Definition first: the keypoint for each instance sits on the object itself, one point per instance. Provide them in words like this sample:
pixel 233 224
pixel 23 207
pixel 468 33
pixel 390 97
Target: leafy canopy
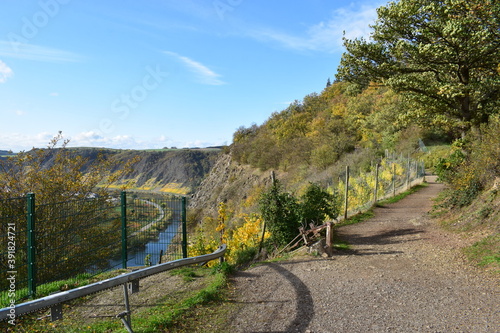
pixel 442 55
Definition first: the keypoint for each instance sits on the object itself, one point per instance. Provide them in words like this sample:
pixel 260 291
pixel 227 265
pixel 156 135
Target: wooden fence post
pixel 408 170
pixel 346 201
pixel 375 192
pixel 329 238
pixel 394 179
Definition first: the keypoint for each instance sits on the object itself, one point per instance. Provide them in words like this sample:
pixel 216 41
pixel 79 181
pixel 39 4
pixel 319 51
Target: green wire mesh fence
pixel 43 243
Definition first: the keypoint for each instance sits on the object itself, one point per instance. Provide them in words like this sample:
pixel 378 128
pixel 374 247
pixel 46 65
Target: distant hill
pixel 6 152
pixel 177 171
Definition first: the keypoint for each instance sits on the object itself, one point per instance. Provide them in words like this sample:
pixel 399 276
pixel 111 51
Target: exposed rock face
pixel 184 166
pixel 227 181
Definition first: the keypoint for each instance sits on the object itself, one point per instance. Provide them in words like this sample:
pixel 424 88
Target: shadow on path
pixel 385 237
pixel 304 310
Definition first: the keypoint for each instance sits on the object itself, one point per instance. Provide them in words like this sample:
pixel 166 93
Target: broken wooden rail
pixel 310 235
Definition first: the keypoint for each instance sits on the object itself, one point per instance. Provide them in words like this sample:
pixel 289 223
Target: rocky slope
pixel 227 181
pixel 156 170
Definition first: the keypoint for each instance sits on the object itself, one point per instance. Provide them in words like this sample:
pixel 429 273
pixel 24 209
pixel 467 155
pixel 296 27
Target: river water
pixel 152 248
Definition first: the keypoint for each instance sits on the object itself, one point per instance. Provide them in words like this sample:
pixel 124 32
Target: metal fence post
pixel 31 217
pixel 184 228
pixel 346 191
pixel 123 203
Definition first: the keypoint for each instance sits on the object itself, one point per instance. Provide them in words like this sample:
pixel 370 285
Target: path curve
pixel 403 274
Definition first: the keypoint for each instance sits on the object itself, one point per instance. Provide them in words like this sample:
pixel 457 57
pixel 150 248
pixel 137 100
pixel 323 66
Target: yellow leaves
pixel 246 235
pixel 339 110
pixel 240 238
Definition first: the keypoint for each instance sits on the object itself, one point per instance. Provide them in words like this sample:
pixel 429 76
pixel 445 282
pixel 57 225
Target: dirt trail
pixel 403 274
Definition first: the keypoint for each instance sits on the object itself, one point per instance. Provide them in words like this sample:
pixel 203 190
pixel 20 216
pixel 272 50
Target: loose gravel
pixel 402 274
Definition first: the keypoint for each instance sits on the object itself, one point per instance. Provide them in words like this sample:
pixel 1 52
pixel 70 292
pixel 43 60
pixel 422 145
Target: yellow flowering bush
pixel 242 242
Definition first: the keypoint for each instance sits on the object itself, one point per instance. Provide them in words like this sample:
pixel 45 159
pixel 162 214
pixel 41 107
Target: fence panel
pixel 155 228
pixel 394 174
pixel 42 243
pixel 75 237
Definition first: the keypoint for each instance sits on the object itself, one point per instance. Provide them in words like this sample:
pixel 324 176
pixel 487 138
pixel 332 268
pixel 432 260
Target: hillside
pixel 177 171
pixel 173 171
pixel 313 140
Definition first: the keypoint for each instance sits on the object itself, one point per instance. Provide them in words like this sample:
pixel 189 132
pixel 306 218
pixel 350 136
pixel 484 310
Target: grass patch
pixel 486 252
pixel 171 317
pixel 401 196
pixel 188 274
pixel 358 218
pixel 340 244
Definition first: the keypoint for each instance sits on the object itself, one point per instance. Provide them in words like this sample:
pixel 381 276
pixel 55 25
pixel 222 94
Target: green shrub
pixel 281 212
pixel 317 204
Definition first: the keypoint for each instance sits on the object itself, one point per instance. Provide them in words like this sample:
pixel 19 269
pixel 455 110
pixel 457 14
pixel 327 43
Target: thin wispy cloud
pixel 326 36
pixel 205 75
pixel 5 72
pixel 36 52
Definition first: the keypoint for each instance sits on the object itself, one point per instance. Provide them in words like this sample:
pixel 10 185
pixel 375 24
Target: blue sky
pixel 162 73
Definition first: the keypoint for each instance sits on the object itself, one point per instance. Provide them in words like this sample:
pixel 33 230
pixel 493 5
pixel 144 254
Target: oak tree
pixel 441 55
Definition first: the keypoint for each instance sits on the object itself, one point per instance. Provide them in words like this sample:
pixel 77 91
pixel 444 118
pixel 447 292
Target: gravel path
pixel 403 274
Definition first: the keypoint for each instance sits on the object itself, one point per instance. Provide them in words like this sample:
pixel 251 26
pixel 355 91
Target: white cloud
pixel 5 72
pixel 36 52
pixel 326 36
pixel 54 94
pixel 95 139
pixel 19 142
pixel 23 142
pixel 204 74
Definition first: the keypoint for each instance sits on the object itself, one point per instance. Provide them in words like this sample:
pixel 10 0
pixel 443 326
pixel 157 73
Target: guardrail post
pixel 123 201
pixel 184 227
pixel 31 245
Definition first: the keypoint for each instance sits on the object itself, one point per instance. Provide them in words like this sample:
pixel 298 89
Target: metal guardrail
pixel 128 280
